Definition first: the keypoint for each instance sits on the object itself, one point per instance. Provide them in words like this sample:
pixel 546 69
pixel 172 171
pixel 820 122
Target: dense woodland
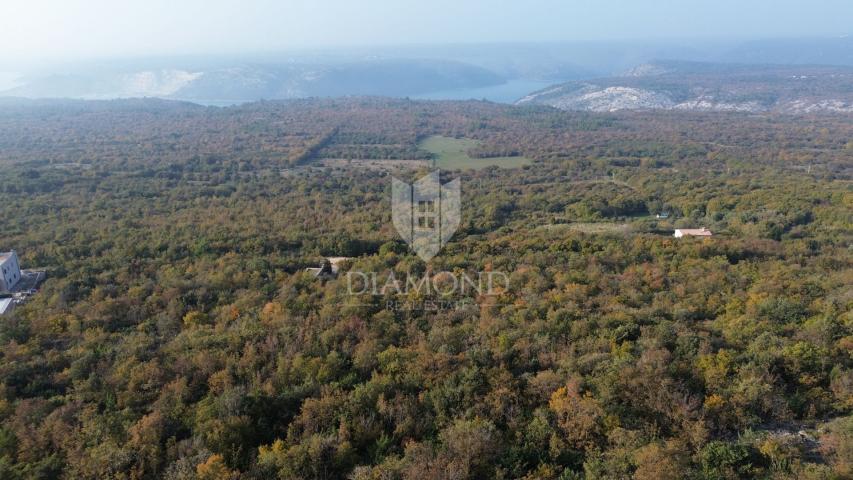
pixel 178 336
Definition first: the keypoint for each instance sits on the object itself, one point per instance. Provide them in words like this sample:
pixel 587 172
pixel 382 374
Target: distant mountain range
pixel 250 82
pixel 703 77
pixel 677 85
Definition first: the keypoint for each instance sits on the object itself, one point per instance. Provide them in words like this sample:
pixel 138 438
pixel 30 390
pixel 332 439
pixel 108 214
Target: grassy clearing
pixel 373 164
pixel 590 227
pixel 451 154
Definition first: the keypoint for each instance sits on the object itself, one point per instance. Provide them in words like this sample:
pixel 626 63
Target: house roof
pixel 700 232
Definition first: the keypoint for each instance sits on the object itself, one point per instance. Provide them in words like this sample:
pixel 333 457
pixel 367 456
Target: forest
pixel 178 336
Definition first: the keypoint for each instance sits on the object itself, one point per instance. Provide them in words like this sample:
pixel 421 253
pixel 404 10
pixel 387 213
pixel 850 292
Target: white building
pixel 692 232
pixel 10 271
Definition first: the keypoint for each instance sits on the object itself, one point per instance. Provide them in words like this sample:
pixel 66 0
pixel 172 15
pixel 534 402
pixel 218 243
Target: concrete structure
pixel 6 305
pixel 692 232
pixel 330 267
pixel 336 263
pixel 10 271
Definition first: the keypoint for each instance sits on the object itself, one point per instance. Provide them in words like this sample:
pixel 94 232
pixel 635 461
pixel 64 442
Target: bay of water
pixel 507 92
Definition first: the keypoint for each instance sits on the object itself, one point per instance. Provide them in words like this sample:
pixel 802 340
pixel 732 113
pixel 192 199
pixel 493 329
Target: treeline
pixel 128 137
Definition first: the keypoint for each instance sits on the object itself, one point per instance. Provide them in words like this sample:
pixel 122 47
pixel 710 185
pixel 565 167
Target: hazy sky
pixel 73 29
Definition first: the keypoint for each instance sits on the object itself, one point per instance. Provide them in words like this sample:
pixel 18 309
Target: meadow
pixel 452 154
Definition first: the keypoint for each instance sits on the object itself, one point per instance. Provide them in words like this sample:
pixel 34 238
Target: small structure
pixel 325 269
pixel 662 216
pixel 16 285
pixel 6 305
pixel 329 268
pixel 692 232
pixel 10 271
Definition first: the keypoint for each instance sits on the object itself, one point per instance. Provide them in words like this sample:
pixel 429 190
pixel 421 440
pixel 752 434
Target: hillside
pixel 696 86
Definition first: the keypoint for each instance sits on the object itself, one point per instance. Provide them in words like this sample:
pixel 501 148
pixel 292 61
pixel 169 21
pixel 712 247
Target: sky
pixel 42 30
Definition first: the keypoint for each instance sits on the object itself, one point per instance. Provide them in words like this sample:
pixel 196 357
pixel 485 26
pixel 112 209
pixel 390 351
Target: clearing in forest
pixel 452 153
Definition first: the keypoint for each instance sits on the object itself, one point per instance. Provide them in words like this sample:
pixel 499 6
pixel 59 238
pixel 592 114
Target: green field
pixel 451 154
pixel 590 227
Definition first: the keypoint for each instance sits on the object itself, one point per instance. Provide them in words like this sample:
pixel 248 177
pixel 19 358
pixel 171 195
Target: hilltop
pixel 698 86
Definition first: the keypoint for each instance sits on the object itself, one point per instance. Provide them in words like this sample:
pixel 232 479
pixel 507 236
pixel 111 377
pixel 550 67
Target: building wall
pixel 6 305
pixel 10 272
